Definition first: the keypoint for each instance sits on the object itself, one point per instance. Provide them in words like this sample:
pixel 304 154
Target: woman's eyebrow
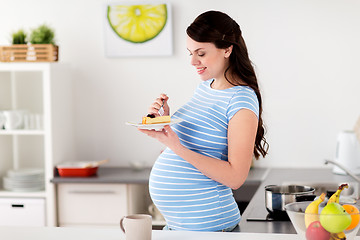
pixel 195 49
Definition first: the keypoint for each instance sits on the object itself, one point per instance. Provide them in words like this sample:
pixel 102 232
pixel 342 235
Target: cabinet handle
pixel 17 205
pixel 92 192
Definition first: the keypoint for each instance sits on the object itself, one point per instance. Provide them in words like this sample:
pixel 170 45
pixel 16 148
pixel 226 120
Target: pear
pixel 334 218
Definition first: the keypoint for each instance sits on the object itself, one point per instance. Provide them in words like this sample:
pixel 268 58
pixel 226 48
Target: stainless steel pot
pixel 276 197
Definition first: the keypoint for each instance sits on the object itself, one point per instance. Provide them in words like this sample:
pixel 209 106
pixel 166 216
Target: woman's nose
pixel 194 61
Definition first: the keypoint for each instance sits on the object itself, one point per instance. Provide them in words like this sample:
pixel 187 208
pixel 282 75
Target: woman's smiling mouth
pixel 200 70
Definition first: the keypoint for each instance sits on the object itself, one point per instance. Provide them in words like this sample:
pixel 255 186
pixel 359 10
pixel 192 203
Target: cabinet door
pixel 91 204
pixel 22 212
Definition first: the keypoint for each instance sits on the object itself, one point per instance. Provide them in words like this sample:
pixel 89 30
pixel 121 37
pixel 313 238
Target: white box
pixel 22 212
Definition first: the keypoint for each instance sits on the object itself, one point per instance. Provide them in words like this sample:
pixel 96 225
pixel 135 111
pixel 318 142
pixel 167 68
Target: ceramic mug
pixel 137 226
pixel 14 119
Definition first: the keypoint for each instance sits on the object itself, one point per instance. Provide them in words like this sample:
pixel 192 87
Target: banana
pixel 312 210
pixel 336 196
pixel 335 199
pixel 338 236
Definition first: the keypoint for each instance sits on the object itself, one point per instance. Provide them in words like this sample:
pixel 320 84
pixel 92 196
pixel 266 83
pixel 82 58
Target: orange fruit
pixel 354 213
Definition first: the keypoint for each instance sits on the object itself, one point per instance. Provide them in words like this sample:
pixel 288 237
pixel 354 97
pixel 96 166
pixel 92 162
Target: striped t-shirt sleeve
pixel 243 99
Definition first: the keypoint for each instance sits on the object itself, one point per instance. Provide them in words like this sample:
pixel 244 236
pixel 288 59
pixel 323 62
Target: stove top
pixel 263 215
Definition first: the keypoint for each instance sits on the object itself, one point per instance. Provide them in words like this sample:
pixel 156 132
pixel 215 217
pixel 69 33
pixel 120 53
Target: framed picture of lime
pixel 138 30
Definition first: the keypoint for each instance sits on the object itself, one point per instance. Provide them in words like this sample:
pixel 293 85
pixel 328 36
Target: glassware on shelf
pixel 33 121
pixel 20 120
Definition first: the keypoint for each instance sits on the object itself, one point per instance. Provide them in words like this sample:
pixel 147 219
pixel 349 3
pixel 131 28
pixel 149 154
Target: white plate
pixel 156 126
pixel 33 189
pixel 25 172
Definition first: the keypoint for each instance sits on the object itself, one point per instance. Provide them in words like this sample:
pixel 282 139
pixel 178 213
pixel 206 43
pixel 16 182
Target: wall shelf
pixel 43 89
pixel 22 132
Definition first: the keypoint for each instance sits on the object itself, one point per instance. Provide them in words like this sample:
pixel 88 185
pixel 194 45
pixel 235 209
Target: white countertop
pixel 57 233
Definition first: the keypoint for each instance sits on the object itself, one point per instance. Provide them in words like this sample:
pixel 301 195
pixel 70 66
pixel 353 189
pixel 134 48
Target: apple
pixel 316 232
pixel 334 218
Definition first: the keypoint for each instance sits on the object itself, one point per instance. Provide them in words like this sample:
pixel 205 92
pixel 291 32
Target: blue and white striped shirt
pixel 188 199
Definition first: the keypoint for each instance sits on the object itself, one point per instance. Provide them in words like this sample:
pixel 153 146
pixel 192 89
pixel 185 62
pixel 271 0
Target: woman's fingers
pixel 165 105
pixel 156 134
pixel 164 96
pixel 159 102
pixel 152 133
pixel 154 109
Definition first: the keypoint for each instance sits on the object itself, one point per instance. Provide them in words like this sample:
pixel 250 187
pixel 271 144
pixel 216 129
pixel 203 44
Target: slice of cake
pixel 161 119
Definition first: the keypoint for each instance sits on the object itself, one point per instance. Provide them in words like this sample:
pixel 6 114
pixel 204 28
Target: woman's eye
pixel 199 54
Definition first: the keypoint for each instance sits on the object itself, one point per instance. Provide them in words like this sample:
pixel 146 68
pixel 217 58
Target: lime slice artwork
pixel 137 23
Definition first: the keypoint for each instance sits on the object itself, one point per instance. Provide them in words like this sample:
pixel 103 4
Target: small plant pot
pixel 29 53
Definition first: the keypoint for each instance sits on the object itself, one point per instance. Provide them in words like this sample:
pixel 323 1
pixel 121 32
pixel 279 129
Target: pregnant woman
pixel 210 152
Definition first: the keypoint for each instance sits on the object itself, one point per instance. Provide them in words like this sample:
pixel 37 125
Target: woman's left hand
pixel 166 136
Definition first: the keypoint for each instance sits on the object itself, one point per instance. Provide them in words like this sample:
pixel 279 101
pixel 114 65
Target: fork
pixel 161 110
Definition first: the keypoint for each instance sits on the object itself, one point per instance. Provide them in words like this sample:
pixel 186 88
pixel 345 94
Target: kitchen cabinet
pixel 22 212
pixel 43 89
pixel 112 183
pixel 100 205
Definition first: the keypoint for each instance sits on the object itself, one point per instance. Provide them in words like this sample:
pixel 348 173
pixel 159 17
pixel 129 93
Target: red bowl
pixel 77 172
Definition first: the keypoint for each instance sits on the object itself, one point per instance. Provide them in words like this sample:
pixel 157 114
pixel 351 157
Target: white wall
pixel 306 55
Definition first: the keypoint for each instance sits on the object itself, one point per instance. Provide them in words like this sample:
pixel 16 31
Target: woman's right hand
pixel 156 105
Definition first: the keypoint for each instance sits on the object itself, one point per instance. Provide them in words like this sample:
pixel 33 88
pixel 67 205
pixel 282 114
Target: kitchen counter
pixel 252 220
pixel 141 176
pixel 134 196
pixel 45 233
pixel 110 175
pixel 256 208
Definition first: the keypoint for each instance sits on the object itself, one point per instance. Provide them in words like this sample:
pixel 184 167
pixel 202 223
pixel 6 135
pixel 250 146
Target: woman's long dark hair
pixel 220 29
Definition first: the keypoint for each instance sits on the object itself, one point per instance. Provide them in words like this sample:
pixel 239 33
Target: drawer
pixel 91 204
pixel 22 212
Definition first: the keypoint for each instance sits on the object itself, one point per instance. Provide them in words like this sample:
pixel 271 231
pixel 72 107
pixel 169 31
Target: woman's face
pixel 209 61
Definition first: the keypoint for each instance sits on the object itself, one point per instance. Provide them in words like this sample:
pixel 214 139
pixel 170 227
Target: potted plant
pixel 42 35
pixel 19 37
pixel 39 48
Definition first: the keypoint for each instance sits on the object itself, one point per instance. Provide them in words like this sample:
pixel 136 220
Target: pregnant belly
pixel 186 197
pixel 172 179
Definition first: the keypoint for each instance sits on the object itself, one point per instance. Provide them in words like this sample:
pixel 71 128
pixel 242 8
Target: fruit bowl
pixel 315 229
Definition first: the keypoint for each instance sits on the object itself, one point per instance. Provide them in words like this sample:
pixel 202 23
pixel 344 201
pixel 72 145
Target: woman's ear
pixel 228 51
